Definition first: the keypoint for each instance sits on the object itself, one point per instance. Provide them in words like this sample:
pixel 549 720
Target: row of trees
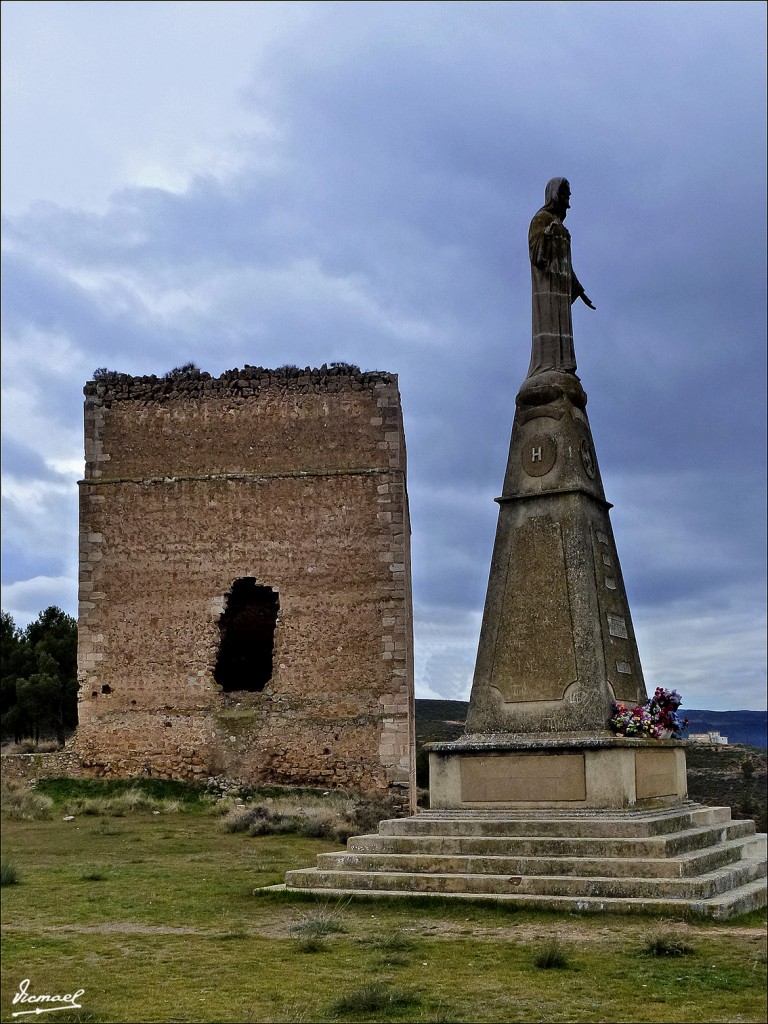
pixel 38 676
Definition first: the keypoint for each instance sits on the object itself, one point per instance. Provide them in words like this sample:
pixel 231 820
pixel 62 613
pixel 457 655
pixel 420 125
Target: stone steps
pixel 702 887
pixel 557 824
pixel 669 860
pixel 665 845
pixel 687 864
pixel 738 901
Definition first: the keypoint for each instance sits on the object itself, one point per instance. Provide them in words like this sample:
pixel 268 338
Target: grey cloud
pixel 388 228
pixel 19 460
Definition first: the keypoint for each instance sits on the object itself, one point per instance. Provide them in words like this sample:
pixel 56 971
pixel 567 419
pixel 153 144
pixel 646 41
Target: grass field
pixel 154 915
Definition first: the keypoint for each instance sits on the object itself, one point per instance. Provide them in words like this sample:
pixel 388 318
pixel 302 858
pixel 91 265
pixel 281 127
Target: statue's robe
pixel 554 288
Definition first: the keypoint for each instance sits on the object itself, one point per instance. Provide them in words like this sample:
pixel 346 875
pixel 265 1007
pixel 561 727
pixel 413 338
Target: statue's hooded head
pixel 557 196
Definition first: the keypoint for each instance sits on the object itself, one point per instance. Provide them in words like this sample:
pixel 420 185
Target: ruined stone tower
pixel 245 596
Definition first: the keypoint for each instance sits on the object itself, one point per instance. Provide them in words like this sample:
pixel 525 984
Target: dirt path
pixel 567 932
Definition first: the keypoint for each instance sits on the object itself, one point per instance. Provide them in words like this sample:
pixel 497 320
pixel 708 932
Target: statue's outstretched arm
pixel 577 292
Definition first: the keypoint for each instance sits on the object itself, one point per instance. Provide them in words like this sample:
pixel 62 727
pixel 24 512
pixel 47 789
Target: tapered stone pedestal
pixel 557 646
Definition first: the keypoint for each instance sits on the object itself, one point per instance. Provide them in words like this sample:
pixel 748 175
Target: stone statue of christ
pixel 554 285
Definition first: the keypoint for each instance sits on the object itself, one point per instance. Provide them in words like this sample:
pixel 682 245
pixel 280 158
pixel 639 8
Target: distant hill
pixel 750 727
pixel 444 720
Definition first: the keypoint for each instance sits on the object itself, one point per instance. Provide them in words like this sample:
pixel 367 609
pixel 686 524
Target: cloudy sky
pixel 296 182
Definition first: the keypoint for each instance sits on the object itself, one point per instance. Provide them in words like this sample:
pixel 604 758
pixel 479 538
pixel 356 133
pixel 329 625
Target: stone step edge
pixel 693 816
pixel 757 869
pixel 751 896
pixel 661 840
pixel 573 828
pixel 721 811
pixel 668 846
pixel 726 901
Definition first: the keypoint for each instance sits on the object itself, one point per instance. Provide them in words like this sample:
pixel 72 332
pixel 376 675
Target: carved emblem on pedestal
pixel 586 458
pixel 538 454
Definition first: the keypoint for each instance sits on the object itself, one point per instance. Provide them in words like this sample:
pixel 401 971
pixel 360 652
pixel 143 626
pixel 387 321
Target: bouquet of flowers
pixel 657 718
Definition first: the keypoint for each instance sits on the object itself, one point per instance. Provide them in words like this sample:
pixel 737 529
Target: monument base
pixel 674 861
pixel 564 771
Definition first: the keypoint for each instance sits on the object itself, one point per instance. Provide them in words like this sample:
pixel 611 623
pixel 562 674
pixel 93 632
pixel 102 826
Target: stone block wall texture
pixel 296 479
pixel 26 767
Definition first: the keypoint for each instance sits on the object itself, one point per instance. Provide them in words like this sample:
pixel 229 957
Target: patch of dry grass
pixel 333 815
pixel 132 801
pixel 20 802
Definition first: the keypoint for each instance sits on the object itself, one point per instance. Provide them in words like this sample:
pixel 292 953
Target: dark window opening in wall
pixel 247 629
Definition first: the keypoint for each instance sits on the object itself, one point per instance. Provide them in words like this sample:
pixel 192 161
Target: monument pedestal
pixel 666 860
pixel 539 803
pixel 564 771
pixel 557 646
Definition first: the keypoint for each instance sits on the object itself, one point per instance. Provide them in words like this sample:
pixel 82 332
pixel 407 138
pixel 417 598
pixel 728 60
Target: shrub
pixel 666 944
pixel 367 812
pixel 131 802
pixel 135 800
pixel 191 370
pixel 20 802
pixel 224 805
pixel 9 874
pixel 323 920
pixel 397 942
pixel 241 819
pixel 341 367
pixel 551 956
pixel 333 815
pixel 374 998
pixel 317 828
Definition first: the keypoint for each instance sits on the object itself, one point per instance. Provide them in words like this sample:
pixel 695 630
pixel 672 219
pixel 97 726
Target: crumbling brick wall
pixel 295 481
